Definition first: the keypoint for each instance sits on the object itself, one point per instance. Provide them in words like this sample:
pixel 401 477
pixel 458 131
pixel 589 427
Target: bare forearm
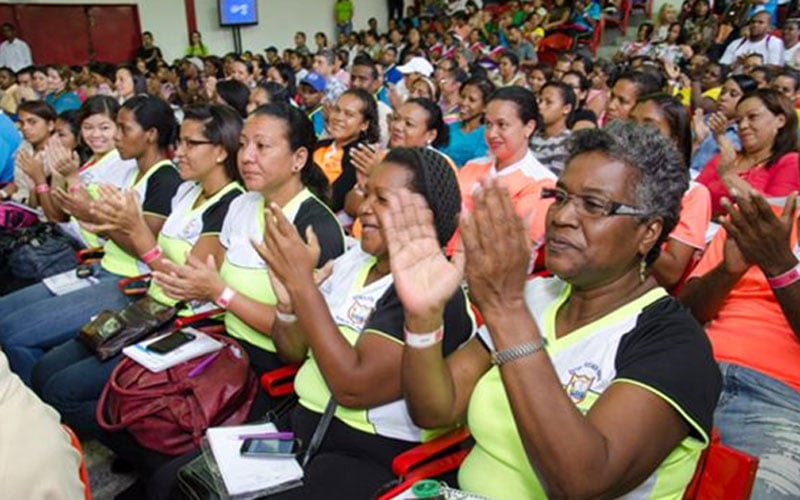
pixel 290 342
pixel 705 295
pixel 788 296
pixel 427 381
pixel 51 209
pixel 350 381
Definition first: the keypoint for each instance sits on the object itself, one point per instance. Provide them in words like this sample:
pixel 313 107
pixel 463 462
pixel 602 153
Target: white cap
pixel 416 65
pixel 198 63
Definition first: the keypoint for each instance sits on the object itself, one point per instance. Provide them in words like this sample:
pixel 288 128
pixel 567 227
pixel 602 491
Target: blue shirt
pixel 383 95
pixel 593 12
pixel 464 146
pixel 10 139
pixel 318 120
pixel 709 147
pixel 65 102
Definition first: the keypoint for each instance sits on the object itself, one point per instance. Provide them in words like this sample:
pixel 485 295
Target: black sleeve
pixel 669 352
pixel 342 185
pixel 214 215
pixel 388 318
pixel 161 187
pixel 327 228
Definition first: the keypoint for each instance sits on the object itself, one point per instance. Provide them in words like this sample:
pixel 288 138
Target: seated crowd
pixel 591 263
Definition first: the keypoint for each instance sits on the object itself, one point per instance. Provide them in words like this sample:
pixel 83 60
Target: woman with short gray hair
pixel 571 387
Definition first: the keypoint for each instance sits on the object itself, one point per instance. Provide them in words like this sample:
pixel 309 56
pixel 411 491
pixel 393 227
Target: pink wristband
pixel 423 340
pixel 790 277
pixel 152 255
pixel 225 298
pixel 42 188
pixel 74 189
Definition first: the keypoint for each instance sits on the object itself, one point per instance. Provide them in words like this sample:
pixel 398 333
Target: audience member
pixel 14 53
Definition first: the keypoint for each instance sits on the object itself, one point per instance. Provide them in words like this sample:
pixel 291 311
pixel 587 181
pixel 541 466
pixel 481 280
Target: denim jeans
pixel 33 320
pixel 70 378
pixel 345 28
pixel 760 415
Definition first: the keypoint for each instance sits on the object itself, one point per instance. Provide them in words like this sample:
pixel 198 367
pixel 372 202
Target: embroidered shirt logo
pixel 359 312
pixel 581 381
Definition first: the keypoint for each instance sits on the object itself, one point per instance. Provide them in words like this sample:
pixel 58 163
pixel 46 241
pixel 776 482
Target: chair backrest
pixel 723 472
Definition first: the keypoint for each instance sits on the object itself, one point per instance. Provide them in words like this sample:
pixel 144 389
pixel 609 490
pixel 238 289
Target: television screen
pixel 237 12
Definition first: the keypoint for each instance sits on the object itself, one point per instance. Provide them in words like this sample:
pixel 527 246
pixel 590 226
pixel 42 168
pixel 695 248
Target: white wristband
pixel 285 317
pixel 423 340
pixel 225 297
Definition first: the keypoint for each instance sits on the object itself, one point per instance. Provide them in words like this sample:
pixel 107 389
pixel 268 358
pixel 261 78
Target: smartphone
pixel 171 342
pixel 270 447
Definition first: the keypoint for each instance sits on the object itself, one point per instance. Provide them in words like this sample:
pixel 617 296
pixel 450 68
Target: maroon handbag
pixel 169 412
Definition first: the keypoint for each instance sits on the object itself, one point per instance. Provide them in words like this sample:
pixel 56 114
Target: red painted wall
pixel 76 34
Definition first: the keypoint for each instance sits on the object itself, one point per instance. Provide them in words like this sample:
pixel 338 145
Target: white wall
pixel 278 21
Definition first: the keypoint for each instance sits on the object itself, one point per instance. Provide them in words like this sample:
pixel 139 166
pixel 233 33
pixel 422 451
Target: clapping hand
pixel 116 210
pixel 699 126
pixel 61 158
pixel 196 280
pixel 423 277
pixel 498 250
pixel 289 258
pixel 76 202
pixel 364 157
pixel 761 237
pixel 32 166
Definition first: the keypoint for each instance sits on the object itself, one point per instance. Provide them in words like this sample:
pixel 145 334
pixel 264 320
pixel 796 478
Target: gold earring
pixel 220 161
pixel 642 271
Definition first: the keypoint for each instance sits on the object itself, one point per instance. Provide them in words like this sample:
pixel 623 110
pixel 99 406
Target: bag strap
pixel 319 432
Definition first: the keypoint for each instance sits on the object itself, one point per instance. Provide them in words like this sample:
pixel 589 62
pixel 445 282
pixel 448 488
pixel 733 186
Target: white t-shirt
pixel 791 57
pixel 15 55
pixel 770 47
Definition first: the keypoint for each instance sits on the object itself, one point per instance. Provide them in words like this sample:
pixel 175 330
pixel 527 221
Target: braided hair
pixel 435 180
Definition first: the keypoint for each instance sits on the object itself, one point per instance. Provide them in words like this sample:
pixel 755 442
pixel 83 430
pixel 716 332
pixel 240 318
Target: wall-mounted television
pixel 238 12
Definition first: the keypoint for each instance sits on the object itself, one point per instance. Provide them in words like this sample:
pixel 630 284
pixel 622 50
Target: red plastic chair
pixel 280 381
pixel 135 285
pixel 90 255
pixel 596 38
pixel 723 472
pixel 646 6
pixel 427 460
pixel 82 471
pixel 619 20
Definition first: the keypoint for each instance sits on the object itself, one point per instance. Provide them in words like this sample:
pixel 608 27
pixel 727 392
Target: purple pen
pixel 197 370
pixel 268 435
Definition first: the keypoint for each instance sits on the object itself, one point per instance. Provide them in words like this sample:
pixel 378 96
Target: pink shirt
pixel 781 179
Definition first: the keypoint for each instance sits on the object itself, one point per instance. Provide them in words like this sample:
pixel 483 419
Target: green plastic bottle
pixel 427 488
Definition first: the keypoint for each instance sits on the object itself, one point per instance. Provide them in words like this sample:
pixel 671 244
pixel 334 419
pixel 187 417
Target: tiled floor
pixel 104 483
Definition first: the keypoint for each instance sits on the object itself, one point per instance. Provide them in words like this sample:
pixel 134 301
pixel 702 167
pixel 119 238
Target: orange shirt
pixel 329 158
pixel 524 181
pixel 694 217
pixel 750 328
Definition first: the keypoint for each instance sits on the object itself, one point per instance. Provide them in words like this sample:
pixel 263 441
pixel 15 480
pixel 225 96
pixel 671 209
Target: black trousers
pixel 395 9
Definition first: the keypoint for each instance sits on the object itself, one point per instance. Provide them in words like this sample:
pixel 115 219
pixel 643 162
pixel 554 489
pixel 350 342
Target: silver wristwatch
pixel 518 351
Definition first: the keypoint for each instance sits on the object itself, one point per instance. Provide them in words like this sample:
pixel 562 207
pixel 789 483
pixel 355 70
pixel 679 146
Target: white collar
pixel 526 161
